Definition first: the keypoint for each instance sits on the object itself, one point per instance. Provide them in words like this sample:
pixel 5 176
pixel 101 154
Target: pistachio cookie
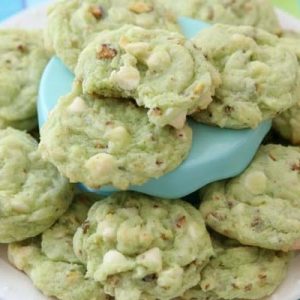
pixel 72 23
pixel 51 265
pixel 257 13
pixel 140 247
pixel 33 195
pixel 100 141
pixel 260 77
pixel 240 272
pixel 260 207
pixel 57 241
pixel 287 124
pixel 22 61
pixel 160 69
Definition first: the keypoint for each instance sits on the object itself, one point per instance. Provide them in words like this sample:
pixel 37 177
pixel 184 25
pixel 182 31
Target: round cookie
pixel 72 23
pixel 22 61
pixel 242 272
pixel 261 207
pixel 160 69
pixel 99 141
pixel 260 77
pixel 287 124
pixel 258 13
pixel 33 195
pixel 57 241
pixel 51 264
pixel 143 247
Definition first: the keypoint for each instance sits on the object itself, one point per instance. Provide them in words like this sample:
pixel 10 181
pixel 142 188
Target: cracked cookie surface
pixel 72 23
pixel 143 247
pixel 99 141
pixel 51 264
pixel 240 272
pixel 161 70
pixel 260 77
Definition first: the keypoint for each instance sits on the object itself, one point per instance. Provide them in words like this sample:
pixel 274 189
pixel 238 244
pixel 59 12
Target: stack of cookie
pixel 137 81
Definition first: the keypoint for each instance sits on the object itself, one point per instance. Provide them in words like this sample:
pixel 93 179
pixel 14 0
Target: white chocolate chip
pixel 114 262
pixel 193 232
pixel 127 78
pixel 139 49
pixel 159 60
pixel 152 260
pixel 114 257
pixel 77 106
pixel 170 278
pixel 107 230
pixel 101 164
pixel 256 182
pixel 179 121
pixel 118 135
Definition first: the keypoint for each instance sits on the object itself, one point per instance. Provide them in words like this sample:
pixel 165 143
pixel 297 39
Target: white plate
pixel 14 285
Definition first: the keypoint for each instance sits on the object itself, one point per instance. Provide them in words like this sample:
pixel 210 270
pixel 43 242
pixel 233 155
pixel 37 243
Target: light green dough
pixel 51 265
pixel 100 141
pixel 261 207
pixel 72 23
pixel 63 280
pixel 57 241
pixel 288 123
pixel 241 272
pixel 33 195
pixel 140 247
pixel 260 77
pixel 258 13
pixel 22 60
pixel 161 70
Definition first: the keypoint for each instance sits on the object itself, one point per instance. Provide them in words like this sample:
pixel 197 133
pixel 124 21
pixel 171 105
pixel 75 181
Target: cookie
pixel 57 241
pixel 161 70
pixel 241 272
pixel 33 195
pixel 258 13
pixel 143 247
pixel 287 124
pixel 99 141
pixel 260 77
pixel 50 261
pixel 22 61
pixel 72 23
pixel 260 207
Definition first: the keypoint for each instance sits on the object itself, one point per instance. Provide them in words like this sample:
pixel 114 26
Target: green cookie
pixel 57 241
pixel 72 23
pixel 99 141
pixel 260 77
pixel 22 60
pixel 260 207
pixel 33 195
pixel 257 13
pixel 55 271
pixel 240 272
pixel 288 123
pixel 141 247
pixel 160 69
